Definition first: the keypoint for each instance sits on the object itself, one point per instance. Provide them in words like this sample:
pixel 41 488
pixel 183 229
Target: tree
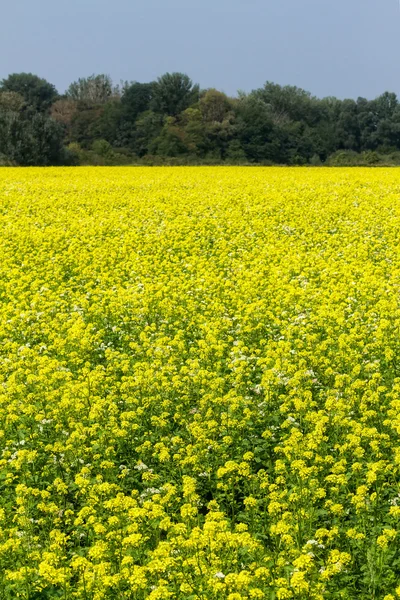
pixel 95 89
pixel 103 148
pixel 330 109
pixel 47 141
pixel 136 99
pixel 171 117
pixel 63 110
pixel 27 140
pixel 172 139
pixel 147 129
pixel 255 130
pixel 289 103
pixel 214 106
pixel 109 126
pixel 173 93
pixel 11 101
pixel 386 104
pixel 36 92
pixel 235 152
pixel 368 124
pixel 84 127
pixel 348 126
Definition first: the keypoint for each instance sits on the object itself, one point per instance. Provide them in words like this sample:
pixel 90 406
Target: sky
pixel 343 48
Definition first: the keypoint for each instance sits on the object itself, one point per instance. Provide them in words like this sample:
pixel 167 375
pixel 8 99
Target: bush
pixel 344 158
pixel 315 161
pixel 369 157
pixel 103 148
pixel 5 162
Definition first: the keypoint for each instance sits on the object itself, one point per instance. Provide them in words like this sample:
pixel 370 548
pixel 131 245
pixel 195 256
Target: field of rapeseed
pixel 199 384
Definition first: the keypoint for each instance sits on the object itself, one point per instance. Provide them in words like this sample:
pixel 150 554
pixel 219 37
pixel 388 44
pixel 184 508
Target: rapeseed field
pixel 199 383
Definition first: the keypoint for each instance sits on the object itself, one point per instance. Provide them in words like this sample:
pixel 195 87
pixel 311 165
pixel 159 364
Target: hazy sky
pixel 345 48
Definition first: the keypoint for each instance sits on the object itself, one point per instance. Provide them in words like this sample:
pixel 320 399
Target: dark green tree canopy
pixel 173 93
pixel 215 106
pixel 172 121
pixel 95 89
pixel 11 101
pixel 136 99
pixel 27 140
pixel 36 92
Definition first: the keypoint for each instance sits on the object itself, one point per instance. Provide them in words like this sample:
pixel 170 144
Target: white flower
pixel 141 466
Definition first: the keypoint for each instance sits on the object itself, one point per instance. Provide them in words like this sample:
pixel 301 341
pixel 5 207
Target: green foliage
pixel 11 101
pixel 36 92
pixel 136 99
pixel 85 124
pixel 370 157
pixel 96 89
pixel 31 140
pixel 103 148
pixel 255 130
pixel 171 141
pixel 344 158
pixel 215 106
pixel 172 120
pixel 173 93
pixel 315 161
pixel 147 129
pixel 235 153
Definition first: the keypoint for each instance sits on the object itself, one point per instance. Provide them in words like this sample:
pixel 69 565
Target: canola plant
pixel 199 383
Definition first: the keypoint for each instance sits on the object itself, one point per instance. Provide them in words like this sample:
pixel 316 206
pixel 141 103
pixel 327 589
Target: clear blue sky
pixel 345 48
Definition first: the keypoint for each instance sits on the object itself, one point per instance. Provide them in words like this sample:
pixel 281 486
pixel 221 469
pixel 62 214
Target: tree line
pixel 173 121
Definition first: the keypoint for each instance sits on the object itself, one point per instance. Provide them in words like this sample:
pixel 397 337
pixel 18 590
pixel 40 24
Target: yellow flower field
pixel 199 383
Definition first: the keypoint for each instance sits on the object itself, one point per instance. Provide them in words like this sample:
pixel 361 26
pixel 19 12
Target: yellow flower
pixel 384 539
pixel 198 392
